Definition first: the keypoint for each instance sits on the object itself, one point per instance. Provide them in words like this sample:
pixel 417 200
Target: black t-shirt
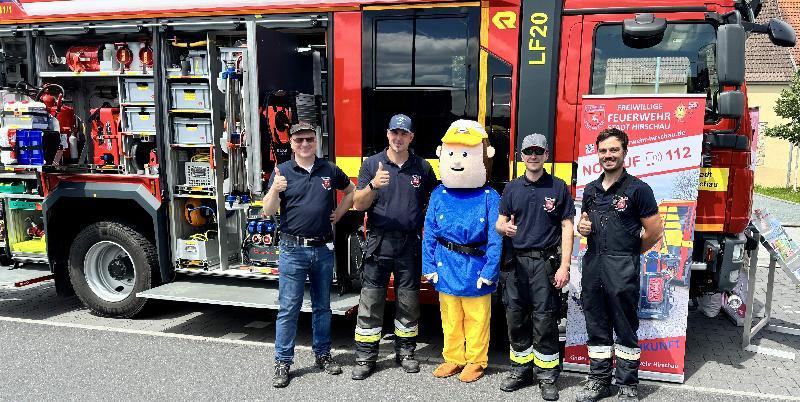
pixel 538 208
pixel 401 204
pixel 636 202
pixel 309 199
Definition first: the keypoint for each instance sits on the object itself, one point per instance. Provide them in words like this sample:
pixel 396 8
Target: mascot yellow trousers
pixel 465 322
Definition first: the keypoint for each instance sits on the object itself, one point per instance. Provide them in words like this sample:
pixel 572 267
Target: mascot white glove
pixel 484 281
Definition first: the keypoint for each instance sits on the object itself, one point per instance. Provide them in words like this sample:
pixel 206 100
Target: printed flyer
pixel 664 150
pixel 775 235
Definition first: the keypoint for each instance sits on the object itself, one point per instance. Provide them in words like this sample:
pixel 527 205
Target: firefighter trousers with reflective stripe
pixel 398 256
pixel 610 300
pixel 465 323
pixel 533 307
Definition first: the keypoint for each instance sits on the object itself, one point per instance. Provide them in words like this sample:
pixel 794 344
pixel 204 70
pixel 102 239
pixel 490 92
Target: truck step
pixel 240 292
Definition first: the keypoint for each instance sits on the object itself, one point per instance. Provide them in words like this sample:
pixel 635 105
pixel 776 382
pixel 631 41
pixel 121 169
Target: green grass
pixel 780 192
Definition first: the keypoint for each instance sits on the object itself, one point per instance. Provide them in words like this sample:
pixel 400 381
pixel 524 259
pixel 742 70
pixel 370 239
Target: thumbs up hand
pixel 381 177
pixel 509 228
pixel 278 181
pixel 585 225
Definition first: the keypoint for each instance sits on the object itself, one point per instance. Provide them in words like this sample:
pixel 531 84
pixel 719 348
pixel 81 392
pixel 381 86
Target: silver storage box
pixel 36 122
pixel 140 118
pixel 190 96
pixel 138 90
pixel 198 250
pixel 192 131
pixel 198 63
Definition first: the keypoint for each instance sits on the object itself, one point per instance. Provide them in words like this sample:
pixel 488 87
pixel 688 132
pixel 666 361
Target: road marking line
pixel 303 347
pixel 143 332
pixel 707 390
pixel 257 324
pixel 234 335
pixel 754 395
pixel 770 352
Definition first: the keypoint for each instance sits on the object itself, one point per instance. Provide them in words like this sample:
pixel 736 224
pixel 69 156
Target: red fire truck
pixel 137 136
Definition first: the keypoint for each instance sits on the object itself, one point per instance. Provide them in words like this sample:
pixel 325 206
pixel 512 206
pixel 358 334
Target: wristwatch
pixel 371 187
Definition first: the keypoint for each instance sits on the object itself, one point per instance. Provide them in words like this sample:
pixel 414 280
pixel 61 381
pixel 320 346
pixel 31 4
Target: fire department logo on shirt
pixel 549 204
pixel 416 180
pixel 326 183
pixel 620 203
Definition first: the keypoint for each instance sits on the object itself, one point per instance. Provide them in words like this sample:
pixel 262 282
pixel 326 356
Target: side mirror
pixel 643 31
pixel 781 33
pixel 730 104
pixel 730 54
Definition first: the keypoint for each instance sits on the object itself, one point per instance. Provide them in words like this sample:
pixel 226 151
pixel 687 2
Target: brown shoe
pixel 447 369
pixel 471 373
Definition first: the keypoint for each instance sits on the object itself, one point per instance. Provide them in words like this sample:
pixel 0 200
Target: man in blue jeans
pixel 305 189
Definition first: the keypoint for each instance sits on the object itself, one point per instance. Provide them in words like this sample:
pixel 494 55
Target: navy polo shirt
pixel 309 199
pixel 401 204
pixel 639 201
pixel 538 208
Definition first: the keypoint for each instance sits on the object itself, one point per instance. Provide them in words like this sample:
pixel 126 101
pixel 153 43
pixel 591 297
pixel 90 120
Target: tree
pixel 788 107
pixel 684 185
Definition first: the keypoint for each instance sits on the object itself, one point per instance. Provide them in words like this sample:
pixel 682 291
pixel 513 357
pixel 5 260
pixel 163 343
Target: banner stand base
pixel 643 375
pixel 750 330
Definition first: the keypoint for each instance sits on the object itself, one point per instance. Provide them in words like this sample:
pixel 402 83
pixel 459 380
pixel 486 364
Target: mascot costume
pixel 461 250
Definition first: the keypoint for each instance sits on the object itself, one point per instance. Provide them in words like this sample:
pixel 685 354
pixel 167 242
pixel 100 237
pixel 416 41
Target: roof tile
pixel 765 61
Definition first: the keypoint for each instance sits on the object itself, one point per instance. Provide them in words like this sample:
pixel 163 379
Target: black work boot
pixel 518 377
pixel 281 378
pixel 408 362
pixel 549 390
pixel 593 391
pixel 628 393
pixel 326 362
pixel 362 370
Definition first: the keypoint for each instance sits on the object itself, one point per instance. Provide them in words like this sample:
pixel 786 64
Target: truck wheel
pixel 109 263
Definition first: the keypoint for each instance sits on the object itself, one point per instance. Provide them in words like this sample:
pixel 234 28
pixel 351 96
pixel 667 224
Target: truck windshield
pixel 682 63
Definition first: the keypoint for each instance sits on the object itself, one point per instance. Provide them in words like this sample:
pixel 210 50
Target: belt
pixel 462 248
pixel 307 241
pixel 535 253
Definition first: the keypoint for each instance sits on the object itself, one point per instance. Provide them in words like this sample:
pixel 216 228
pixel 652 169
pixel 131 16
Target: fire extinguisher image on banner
pixel 666 265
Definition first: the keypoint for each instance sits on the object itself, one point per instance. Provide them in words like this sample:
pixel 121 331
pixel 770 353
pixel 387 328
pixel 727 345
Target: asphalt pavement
pixel 47 361
pixel 52 348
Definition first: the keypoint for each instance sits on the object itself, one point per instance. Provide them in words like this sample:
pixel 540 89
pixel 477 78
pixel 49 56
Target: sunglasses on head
pixel 533 150
pixel 299 140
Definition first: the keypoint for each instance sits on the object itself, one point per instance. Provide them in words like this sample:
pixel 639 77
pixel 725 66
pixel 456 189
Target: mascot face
pixel 464 155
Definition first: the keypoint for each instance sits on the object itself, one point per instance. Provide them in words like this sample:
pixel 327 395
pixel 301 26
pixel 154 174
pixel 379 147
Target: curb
pixel 775 198
pixel 769 197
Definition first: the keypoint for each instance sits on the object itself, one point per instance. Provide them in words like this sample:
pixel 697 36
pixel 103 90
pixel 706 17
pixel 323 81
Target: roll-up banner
pixel 665 144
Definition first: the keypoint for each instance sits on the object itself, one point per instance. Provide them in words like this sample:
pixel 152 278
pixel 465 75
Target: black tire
pixel 143 257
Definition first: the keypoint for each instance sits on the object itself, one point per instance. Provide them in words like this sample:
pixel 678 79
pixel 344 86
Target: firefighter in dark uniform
pixel 393 187
pixel 615 209
pixel 536 214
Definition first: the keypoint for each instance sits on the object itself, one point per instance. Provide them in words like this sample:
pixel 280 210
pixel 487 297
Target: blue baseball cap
pixel 400 122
